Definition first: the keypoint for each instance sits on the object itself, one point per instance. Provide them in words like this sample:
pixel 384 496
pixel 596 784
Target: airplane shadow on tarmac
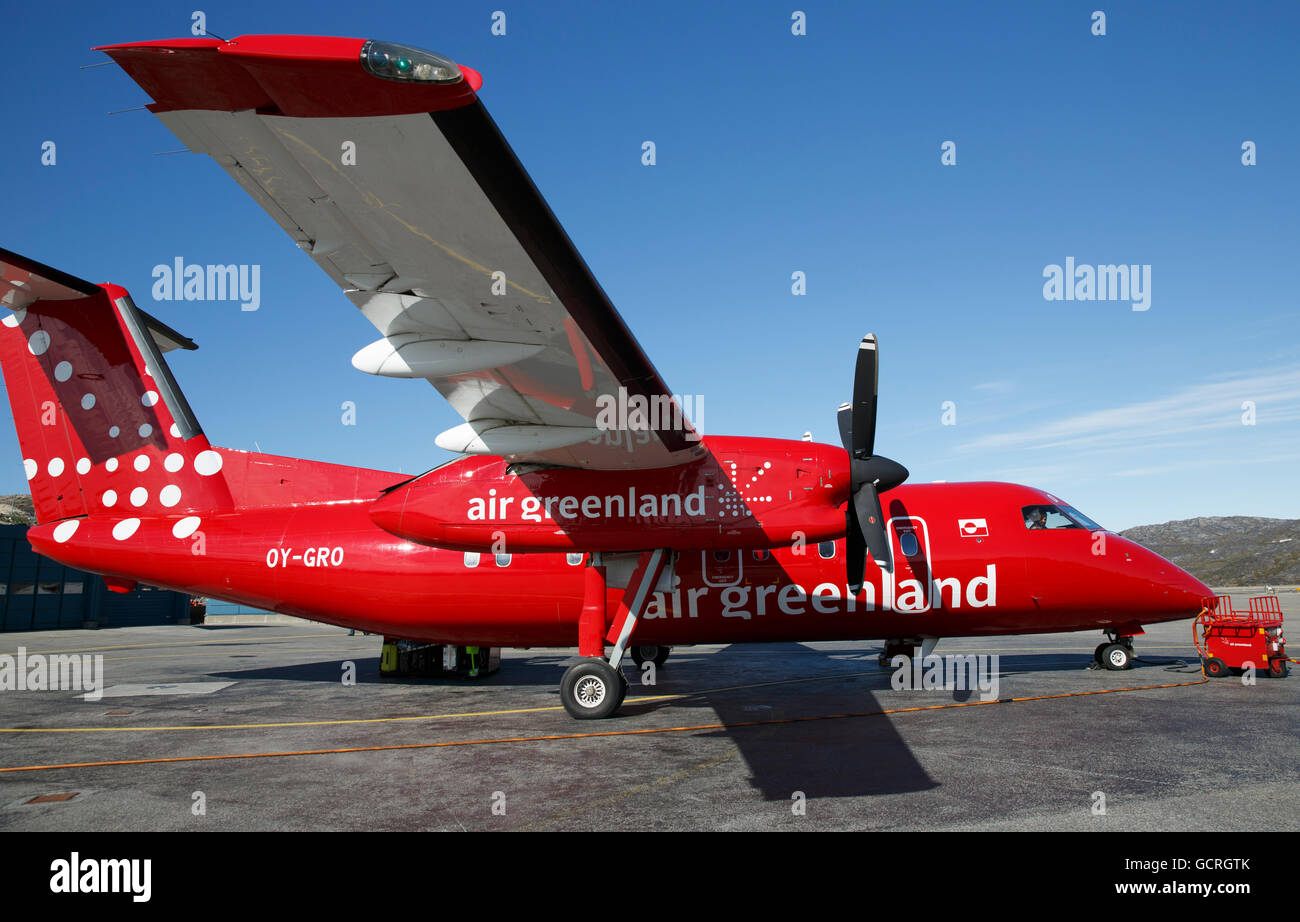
pixel 847 757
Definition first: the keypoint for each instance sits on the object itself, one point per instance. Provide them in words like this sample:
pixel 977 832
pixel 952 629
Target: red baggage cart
pixel 1230 639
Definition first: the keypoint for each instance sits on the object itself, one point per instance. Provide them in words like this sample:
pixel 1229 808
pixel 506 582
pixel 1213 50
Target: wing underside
pixel 433 229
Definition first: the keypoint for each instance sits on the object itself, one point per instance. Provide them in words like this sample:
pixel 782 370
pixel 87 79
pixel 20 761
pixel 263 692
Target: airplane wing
pixel 382 164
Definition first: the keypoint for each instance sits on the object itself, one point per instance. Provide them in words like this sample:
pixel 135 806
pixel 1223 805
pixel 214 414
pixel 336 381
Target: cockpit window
pixel 1051 516
pixel 1081 518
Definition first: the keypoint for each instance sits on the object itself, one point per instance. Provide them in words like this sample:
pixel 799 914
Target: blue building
pixel 38 594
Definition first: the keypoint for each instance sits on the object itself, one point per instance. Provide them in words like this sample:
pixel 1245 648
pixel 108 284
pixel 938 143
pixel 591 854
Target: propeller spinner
pixel 870 474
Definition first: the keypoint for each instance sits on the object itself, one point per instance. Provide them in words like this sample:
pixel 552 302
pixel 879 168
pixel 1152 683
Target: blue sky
pixel 776 153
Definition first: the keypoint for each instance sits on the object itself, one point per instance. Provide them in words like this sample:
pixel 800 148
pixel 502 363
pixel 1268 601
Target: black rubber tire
pixel 650 653
pixel 1279 668
pixel 592 690
pixel 1215 668
pixel 1096 654
pixel 1116 656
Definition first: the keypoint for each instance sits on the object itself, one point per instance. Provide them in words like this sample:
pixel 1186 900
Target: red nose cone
pixel 1169 589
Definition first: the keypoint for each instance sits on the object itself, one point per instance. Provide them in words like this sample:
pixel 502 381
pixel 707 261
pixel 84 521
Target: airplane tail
pixel 102 425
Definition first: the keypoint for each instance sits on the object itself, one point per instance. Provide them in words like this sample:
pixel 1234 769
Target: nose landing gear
pixel 1116 653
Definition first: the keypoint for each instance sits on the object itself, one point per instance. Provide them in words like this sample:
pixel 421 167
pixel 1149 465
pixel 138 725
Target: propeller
pixel 870 474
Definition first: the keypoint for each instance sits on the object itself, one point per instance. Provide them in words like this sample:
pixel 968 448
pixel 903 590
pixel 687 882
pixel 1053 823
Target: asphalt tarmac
pixel 254 728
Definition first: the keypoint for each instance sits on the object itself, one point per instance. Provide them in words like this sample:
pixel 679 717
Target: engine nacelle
pixel 750 493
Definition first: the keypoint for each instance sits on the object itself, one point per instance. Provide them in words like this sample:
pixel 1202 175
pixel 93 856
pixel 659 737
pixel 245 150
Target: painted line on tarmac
pixel 607 733
pixel 178 643
pixel 380 720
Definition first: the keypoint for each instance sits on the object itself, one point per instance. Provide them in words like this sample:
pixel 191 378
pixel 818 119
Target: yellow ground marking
pixel 177 643
pixel 574 736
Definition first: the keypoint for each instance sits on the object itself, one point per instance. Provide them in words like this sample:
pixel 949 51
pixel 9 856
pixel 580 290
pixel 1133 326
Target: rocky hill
pixel 1235 550
pixel 16 509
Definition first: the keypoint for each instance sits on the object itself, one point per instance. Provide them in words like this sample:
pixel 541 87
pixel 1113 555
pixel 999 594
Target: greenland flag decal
pixel 973 528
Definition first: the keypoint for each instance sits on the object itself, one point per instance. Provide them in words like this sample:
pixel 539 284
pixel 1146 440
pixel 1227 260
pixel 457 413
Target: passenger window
pixel 573 560
pixel 761 554
pixel 503 560
pixel 826 549
pixel 908 543
pixel 722 556
pixel 471 558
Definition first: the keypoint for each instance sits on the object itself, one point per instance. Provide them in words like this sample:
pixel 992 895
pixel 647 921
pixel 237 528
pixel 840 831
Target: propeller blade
pixel 855 550
pixel 866 504
pixel 866 385
pixel 844 417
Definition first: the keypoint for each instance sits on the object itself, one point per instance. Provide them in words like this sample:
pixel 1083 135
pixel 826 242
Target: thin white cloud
pixel 1199 408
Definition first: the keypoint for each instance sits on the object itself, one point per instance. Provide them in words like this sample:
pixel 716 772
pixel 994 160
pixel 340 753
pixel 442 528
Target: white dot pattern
pixel 125 529
pixel 207 463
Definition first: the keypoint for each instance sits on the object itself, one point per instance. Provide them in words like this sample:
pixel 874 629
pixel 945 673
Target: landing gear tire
pixel 592 690
pixel 1279 668
pixel 1116 656
pixel 1096 654
pixel 1215 668
pixel 650 653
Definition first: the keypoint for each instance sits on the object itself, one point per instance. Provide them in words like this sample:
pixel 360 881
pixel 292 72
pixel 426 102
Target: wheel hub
pixel 590 692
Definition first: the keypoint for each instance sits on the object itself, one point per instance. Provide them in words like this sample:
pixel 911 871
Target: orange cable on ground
pixel 574 736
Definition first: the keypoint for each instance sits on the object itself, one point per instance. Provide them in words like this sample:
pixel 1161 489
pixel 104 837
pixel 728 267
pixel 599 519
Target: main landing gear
pixel 1116 653
pixel 594 688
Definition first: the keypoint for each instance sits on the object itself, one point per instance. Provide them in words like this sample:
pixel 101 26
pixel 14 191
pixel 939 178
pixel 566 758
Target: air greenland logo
pixel 908 597
pixel 103 875
pixel 973 528
pixel 614 505
pixel 194 282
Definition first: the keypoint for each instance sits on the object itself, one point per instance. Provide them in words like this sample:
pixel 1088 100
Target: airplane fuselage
pixel 329 561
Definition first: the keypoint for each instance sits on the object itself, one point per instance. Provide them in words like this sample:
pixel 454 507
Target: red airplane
pixel 584 507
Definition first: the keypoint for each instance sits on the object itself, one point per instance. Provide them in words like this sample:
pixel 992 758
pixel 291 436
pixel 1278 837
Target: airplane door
pixel 912 581
pixel 721 567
